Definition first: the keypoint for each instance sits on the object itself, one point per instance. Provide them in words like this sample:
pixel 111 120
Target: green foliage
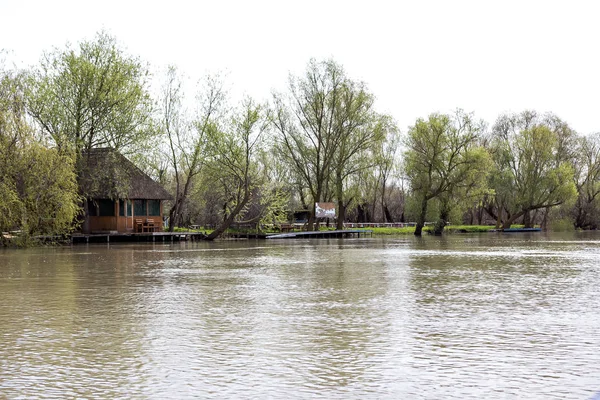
pixel 187 138
pixel 444 161
pixel 562 225
pixel 39 196
pixel 38 191
pixel 532 168
pixel 326 127
pixel 92 96
pixel 274 201
pixel 48 191
pixel 232 149
pixel 586 211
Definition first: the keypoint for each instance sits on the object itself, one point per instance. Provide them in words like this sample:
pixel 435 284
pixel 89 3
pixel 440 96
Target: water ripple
pixel 458 318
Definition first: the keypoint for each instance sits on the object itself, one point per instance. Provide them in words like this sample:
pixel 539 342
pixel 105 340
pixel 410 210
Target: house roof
pixel 104 173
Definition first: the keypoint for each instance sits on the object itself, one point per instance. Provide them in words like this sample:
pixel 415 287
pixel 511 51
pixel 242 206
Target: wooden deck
pixel 517 230
pixel 136 237
pixel 322 234
pixel 164 237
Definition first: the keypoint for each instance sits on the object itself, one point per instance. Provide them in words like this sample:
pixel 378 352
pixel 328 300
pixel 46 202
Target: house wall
pixel 102 224
pixel 130 222
pixel 122 224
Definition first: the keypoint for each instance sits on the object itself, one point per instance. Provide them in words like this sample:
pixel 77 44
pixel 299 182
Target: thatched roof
pixel 106 174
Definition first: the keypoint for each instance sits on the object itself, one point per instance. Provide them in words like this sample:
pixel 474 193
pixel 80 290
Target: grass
pixel 182 229
pixel 469 228
pixel 409 230
pixel 449 229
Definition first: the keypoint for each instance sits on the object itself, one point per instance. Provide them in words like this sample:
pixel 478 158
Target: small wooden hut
pixel 119 197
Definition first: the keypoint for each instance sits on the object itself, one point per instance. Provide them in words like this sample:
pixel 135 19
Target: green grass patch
pixel 183 229
pixel 409 230
pixel 469 228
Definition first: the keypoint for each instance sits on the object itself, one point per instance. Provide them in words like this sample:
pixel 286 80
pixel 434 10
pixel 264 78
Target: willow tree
pixel 442 160
pixel 94 95
pixel 532 166
pixel 357 151
pixel 587 179
pixel 38 193
pixel 324 122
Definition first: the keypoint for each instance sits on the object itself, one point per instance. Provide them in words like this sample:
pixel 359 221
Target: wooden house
pixel 119 197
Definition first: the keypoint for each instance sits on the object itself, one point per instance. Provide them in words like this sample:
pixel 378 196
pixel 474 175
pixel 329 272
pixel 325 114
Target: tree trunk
pixel 341 215
pixel 421 218
pixel 441 223
pixel 311 220
pixel 512 218
pixel 388 215
pixel 497 217
pixel 339 194
pixel 527 219
pixel 229 220
pixel 360 213
pixel 480 215
pixel 545 220
pixel 384 211
pixel 173 212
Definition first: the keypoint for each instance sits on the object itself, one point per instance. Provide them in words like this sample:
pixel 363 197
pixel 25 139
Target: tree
pixel 93 96
pixel 442 159
pixel 13 129
pixel 386 162
pixel 587 178
pixel 233 151
pixel 187 140
pixel 357 148
pixel 38 192
pixel 532 166
pixel 325 121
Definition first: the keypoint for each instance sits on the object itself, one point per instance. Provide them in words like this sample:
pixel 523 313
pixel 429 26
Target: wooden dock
pixel 162 237
pixel 166 237
pixel 322 234
pixel 516 230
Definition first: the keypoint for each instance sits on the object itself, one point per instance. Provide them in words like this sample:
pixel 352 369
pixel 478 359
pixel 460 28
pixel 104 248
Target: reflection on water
pixel 463 316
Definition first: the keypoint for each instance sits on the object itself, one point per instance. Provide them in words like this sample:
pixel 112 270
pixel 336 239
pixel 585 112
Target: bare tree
pixel 187 139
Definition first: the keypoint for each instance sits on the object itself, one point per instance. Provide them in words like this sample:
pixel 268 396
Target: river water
pixel 457 317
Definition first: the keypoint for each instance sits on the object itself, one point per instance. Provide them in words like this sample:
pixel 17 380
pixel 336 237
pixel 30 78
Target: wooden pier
pixel 161 237
pixel 322 234
pixel 166 237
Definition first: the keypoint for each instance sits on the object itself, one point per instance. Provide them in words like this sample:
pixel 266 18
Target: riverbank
pixel 450 229
pixel 199 234
pixel 386 231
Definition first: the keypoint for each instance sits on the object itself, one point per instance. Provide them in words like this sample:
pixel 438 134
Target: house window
pixel 92 208
pixel 122 208
pixel 139 208
pixel 154 208
pixel 106 208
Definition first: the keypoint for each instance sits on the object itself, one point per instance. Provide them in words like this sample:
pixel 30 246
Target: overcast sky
pixel 417 57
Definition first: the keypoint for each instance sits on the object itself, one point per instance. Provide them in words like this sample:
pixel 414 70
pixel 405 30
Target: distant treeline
pixel 320 140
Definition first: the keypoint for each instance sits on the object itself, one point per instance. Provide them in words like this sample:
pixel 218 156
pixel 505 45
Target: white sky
pixel 417 57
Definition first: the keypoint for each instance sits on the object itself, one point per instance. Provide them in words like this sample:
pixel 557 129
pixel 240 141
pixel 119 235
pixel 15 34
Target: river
pixel 456 317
